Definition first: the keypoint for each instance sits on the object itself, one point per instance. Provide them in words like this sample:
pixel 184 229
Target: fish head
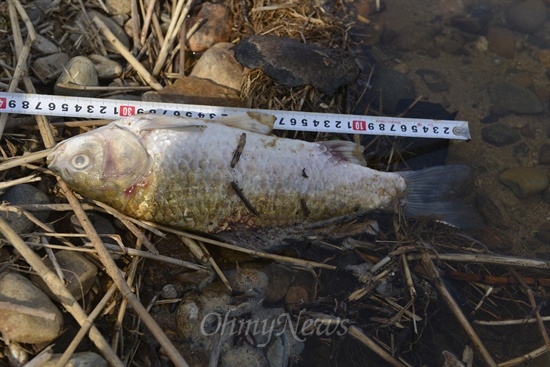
pixel 102 164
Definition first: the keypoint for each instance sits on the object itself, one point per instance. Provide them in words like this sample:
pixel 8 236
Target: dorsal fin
pixel 261 123
pixel 152 121
pixel 257 122
pixel 348 150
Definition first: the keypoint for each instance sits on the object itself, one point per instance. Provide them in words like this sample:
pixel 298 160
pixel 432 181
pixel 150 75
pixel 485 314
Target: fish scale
pixel 193 189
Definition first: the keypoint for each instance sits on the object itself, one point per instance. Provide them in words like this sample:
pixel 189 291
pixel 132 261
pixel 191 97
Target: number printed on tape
pixel 37 104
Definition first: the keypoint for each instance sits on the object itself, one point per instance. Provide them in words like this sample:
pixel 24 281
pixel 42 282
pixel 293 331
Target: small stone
pixel 522 152
pixel 29 316
pixel 250 280
pixel 44 46
pixel 20 195
pixel 169 291
pixel 543 56
pixel 434 80
pixel 515 98
pixel 191 90
pixel 492 210
pixel 218 64
pixel 105 67
pixel 501 41
pixel 79 273
pixel 81 71
pixel 471 24
pixel 390 87
pixel 482 44
pixel 365 8
pixel 243 355
pixel 402 68
pixel 499 135
pixel 525 181
pixel 116 7
pixel 292 63
pixel 296 295
pixel 83 359
pixel 526 16
pixel 48 68
pixel 216 27
pixel 544 154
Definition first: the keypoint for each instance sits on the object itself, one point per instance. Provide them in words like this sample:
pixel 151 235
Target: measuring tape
pixel 83 107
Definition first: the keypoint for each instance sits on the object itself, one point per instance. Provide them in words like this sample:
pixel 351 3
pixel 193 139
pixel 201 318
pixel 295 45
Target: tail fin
pixel 429 193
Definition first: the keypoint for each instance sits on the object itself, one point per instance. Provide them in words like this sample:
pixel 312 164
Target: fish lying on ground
pixel 228 175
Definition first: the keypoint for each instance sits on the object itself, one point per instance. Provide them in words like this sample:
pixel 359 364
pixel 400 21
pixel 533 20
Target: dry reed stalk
pixel 371 344
pixel 85 327
pixel 177 19
pixel 111 38
pixel 453 306
pixel 58 288
pixel 115 274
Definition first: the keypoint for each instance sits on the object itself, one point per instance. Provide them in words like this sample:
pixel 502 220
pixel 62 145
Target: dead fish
pixel 229 174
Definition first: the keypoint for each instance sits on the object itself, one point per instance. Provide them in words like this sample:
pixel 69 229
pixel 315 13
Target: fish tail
pixel 429 193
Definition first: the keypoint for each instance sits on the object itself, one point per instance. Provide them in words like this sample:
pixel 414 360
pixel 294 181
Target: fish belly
pixel 198 183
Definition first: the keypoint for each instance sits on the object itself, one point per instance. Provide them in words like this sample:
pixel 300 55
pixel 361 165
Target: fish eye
pixel 80 161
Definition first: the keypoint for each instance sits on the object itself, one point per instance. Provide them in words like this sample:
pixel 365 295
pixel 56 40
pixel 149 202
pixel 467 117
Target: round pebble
pixel 79 272
pixel 24 326
pixel 525 181
pixel 499 135
pixel 219 65
pixel 501 41
pixel 514 97
pixel 83 359
pixel 105 67
pixel 80 71
pixel 20 195
pixel 526 16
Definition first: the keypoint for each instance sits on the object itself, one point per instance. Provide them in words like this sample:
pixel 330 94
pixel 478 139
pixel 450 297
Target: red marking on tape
pixel 127 110
pixel 359 125
pixel 3 103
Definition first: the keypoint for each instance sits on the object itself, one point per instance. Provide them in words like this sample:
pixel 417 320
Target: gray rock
pixel 514 97
pixel 292 63
pixel 83 359
pixel 105 67
pixel 434 80
pixel 78 271
pixel 19 195
pixel 525 181
pixel 29 315
pixel 526 16
pixel 499 135
pixel 219 65
pixel 169 291
pixel 44 46
pixel 48 68
pixel 391 86
pixel 81 71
